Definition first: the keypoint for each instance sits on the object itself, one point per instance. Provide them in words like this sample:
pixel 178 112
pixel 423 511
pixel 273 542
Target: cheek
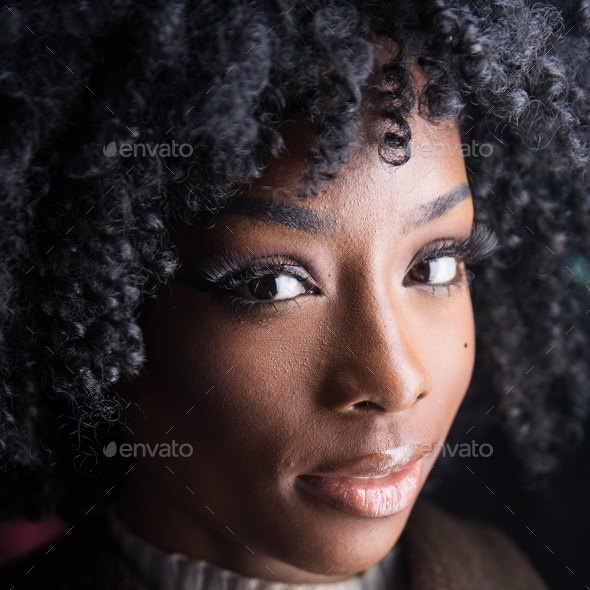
pixel 228 384
pixel 449 347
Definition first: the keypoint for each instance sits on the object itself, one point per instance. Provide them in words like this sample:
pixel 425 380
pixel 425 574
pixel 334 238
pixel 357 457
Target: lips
pixel 372 465
pixel 372 486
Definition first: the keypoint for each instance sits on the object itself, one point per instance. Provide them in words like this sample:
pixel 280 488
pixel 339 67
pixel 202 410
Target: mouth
pixel 372 486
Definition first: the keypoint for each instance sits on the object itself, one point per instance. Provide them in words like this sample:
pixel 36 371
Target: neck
pixel 149 512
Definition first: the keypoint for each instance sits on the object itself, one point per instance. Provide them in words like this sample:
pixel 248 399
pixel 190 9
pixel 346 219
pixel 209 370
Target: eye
pixel 435 271
pixel 273 287
pixel 240 281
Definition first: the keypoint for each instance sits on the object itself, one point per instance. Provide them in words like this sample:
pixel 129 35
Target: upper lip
pixel 372 465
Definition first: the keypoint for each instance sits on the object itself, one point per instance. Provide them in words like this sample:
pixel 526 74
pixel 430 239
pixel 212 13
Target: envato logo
pixel 472 449
pixel 147 450
pixel 164 150
pixel 467 150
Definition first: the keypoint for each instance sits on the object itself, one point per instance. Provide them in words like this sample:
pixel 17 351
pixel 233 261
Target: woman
pixel 247 325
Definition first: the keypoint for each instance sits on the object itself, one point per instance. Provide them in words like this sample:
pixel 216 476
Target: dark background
pixel 557 539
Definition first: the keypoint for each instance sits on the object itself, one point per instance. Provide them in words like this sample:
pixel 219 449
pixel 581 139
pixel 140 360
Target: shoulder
pixel 81 557
pixel 447 551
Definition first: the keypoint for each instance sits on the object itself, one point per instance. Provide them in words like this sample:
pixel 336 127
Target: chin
pixel 340 546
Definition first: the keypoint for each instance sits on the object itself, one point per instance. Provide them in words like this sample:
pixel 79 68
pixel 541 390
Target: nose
pixel 376 358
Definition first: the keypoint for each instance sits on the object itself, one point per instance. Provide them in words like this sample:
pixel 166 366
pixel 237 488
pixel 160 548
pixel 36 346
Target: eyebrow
pixel 436 208
pixel 316 222
pixel 303 219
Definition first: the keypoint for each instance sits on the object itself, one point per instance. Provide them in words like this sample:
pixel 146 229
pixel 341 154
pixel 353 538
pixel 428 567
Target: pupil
pixel 264 288
pixel 423 270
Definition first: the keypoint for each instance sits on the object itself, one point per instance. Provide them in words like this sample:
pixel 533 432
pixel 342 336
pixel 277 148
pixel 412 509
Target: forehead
pixel 367 191
pixel 366 186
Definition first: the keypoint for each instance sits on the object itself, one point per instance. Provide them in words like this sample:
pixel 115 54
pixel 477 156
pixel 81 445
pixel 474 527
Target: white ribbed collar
pixel 160 570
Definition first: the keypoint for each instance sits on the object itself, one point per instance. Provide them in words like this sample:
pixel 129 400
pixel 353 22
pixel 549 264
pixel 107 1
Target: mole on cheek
pixel 466 345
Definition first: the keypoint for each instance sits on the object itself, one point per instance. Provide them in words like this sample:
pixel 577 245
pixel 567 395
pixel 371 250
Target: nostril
pixel 366 405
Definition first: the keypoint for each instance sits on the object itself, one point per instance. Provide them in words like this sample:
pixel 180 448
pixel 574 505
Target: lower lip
pixel 374 497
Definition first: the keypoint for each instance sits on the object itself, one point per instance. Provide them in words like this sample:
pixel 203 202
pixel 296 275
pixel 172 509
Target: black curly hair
pixel 84 237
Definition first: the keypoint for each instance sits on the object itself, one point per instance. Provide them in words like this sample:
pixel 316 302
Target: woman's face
pixel 329 365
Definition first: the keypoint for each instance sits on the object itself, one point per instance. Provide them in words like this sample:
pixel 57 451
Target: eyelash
pixel 230 270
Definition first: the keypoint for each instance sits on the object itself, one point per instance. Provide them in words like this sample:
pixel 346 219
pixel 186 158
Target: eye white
pixel 272 287
pixel 442 270
pixel 288 286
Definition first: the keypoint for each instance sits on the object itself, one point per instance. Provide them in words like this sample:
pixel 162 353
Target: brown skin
pixel 266 395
